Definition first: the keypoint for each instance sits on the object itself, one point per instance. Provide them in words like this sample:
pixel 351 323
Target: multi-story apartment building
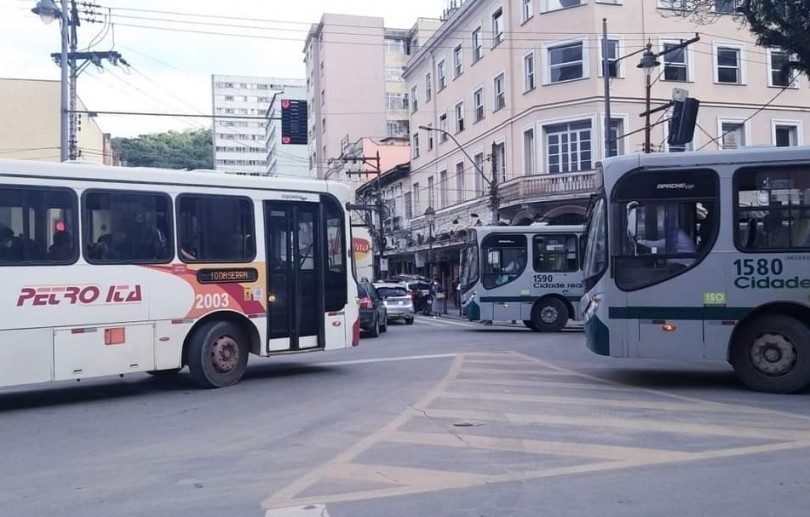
pixel 240 143
pixel 30 124
pixel 354 81
pixel 518 83
pixel 284 159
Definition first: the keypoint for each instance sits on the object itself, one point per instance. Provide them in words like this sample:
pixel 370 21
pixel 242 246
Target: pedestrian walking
pixel 439 296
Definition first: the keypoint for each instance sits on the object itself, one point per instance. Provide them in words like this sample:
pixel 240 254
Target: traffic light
pixel 683 121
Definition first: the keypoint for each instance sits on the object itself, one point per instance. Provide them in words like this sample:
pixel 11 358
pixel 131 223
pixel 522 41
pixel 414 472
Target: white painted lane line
pixel 384 360
pixel 310 510
pixel 439 322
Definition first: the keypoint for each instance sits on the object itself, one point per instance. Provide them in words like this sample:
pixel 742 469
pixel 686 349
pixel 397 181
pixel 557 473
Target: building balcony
pixel 543 187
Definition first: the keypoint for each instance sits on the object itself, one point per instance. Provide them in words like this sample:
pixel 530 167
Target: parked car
pixel 397 300
pixel 373 314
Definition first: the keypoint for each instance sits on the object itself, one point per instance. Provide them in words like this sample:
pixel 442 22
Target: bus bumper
pixel 597 336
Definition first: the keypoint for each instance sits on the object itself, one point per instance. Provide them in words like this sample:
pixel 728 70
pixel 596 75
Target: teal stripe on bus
pixel 678 313
pixel 518 299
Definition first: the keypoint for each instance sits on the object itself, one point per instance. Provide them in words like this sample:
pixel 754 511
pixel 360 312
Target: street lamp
pixel 491 183
pixel 648 63
pixel 430 216
pixel 48 12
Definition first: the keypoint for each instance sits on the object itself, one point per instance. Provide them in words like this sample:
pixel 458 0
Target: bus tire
pixel 549 315
pixel 409 321
pixel 772 354
pixel 375 329
pixel 529 324
pixel 218 354
pixel 384 325
pixel 164 373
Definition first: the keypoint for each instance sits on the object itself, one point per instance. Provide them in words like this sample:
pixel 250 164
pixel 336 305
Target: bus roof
pixel 147 175
pixel 746 155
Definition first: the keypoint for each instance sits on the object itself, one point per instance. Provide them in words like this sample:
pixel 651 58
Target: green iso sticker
pixel 714 298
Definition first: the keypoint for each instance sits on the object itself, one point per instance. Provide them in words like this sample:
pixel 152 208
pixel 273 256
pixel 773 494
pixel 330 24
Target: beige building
pixel 354 82
pixel 519 84
pixel 29 124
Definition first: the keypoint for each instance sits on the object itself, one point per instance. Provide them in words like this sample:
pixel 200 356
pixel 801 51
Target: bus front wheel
pixel 772 354
pixel 549 315
pixel 218 354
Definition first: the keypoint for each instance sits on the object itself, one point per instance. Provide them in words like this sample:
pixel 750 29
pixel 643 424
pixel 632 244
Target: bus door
pixel 295 301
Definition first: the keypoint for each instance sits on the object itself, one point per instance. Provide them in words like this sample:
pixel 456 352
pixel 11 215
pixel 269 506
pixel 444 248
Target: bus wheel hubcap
pixel 549 315
pixel 773 354
pixel 224 354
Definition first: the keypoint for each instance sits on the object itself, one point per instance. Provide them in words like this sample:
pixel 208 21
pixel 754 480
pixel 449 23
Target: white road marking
pixel 441 322
pixel 384 359
pixel 310 510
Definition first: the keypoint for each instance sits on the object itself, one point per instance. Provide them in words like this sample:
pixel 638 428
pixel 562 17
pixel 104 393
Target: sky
pixel 171 70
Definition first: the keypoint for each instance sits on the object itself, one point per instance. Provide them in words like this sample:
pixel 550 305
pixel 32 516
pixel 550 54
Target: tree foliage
pixel 774 23
pixel 190 149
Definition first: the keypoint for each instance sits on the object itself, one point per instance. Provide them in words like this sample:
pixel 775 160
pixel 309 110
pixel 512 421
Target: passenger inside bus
pixel 675 238
pixel 62 247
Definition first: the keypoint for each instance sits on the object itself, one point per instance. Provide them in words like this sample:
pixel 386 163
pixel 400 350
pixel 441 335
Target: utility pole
pixel 379 206
pixel 68 60
pixel 494 201
pixel 606 79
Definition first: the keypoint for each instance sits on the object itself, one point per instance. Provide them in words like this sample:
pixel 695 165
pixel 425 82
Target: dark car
pixel 373 314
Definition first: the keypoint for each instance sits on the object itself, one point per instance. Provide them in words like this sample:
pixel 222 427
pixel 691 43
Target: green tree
pixel 774 23
pixel 190 149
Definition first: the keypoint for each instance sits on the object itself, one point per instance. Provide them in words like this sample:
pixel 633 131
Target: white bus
pixel 522 273
pixel 703 256
pixel 117 270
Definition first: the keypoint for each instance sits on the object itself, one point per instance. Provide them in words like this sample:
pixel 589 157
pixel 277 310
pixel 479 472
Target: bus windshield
pixel 469 267
pixel 595 260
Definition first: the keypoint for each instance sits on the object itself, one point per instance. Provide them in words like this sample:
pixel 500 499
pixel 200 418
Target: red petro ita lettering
pixel 79 295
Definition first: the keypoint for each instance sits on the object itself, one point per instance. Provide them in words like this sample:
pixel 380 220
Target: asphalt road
pixel 440 418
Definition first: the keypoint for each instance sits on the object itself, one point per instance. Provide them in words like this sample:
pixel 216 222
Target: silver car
pixel 397 301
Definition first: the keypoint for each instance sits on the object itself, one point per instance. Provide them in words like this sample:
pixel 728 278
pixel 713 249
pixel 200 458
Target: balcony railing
pixel 540 186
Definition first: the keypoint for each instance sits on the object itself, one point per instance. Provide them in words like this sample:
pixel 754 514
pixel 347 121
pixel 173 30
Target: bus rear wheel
pixel 549 315
pixel 217 355
pixel 772 354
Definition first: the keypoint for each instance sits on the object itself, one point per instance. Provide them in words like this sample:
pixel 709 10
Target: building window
pixel 553 5
pixel 478 104
pixel 500 92
pixel 392 73
pixel 566 62
pixel 441 73
pixel 529 152
pixel 460 181
pixel 443 189
pixel 726 6
pixel 497 27
pixel 416 199
pixel 414 100
pixel 614 66
pixel 568 146
pixel 397 128
pixel 443 128
pixel 499 161
pixel 459 117
pixel 428 88
pixel 396 101
pixel 408 202
pixel 526 10
pixel 528 72
pixel 781 74
pixel 676 66
pixel 616 144
pixel 729 65
pixel 477 45
pixel 430 137
pixel 431 192
pixel 732 135
pixel 478 159
pixel 396 47
pixel 785 135
pixel 458 65
pixel 415 145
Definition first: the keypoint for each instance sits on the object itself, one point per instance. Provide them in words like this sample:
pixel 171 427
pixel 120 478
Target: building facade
pixel 29 124
pixel 354 82
pixel 284 159
pixel 240 144
pixel 525 99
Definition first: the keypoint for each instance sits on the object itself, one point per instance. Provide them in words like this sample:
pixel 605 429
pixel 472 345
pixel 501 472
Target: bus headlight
pixel 593 304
